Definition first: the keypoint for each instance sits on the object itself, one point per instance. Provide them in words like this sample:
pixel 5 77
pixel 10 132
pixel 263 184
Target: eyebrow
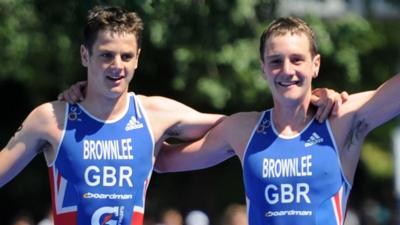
pixel 280 55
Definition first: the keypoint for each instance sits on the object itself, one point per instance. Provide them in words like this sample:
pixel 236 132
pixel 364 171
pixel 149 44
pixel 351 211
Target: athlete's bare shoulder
pixel 163 113
pixel 158 103
pixel 246 118
pixel 243 122
pixel 238 128
pixel 48 114
pixel 40 131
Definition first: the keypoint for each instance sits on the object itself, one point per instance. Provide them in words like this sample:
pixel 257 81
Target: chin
pixel 115 93
pixel 289 95
pixel 292 98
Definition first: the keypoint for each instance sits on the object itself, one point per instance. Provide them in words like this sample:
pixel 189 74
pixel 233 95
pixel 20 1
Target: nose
pixel 116 66
pixel 117 62
pixel 288 67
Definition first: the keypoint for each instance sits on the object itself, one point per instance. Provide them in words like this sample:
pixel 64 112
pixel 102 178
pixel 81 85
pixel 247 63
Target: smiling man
pixel 100 153
pixel 297 171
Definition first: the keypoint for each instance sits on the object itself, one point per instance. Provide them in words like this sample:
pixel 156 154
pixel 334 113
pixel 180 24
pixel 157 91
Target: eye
pixel 275 62
pixel 297 60
pixel 107 55
pixel 127 57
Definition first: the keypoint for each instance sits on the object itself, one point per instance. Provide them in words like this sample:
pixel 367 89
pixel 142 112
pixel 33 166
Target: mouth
pixel 288 83
pixel 115 74
pixel 115 78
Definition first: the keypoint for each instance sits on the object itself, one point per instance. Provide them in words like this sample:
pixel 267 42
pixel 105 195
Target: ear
pixel 84 56
pixel 262 67
pixel 137 58
pixel 316 65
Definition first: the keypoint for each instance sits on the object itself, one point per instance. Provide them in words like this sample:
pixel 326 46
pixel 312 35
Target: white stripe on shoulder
pixel 332 137
pixel 143 111
pixel 67 105
pixel 252 133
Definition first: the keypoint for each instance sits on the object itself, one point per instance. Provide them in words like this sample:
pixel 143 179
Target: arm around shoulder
pixel 178 120
pixel 223 141
pixel 203 153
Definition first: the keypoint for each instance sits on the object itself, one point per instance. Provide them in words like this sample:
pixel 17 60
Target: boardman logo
pixel 288 213
pixel 133 124
pixel 90 195
pixel 108 216
pixel 314 139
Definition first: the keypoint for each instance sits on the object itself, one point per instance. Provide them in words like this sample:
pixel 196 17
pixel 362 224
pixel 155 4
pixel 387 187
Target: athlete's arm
pixel 223 141
pixel 382 106
pixel 206 152
pixel 358 116
pixel 26 143
pixel 371 109
pixel 177 120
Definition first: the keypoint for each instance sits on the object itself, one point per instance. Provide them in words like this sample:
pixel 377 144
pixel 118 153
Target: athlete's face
pixel 112 63
pixel 289 67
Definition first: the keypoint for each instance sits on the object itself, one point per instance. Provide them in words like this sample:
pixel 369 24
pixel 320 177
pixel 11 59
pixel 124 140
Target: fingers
pixel 336 105
pixel 74 94
pixel 319 112
pixel 70 96
pixel 60 97
pixel 339 100
pixel 316 100
pixel 345 96
pixel 324 99
pixel 325 109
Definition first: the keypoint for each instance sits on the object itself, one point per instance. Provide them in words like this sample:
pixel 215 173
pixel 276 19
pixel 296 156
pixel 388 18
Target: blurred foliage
pixel 203 53
pixel 372 154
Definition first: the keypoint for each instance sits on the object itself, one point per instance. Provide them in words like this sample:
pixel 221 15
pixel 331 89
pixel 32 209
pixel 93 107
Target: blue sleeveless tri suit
pixel 294 180
pixel 102 168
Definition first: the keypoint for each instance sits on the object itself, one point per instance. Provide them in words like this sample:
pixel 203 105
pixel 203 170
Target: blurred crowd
pixel 371 213
pixel 234 214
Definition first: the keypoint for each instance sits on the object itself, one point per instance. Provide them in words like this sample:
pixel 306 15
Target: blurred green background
pixel 204 54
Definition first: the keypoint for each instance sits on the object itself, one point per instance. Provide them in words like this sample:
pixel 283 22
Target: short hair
pixel 114 19
pixel 285 25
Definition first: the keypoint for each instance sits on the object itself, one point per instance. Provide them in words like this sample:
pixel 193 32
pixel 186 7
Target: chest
pixel 99 153
pixel 301 167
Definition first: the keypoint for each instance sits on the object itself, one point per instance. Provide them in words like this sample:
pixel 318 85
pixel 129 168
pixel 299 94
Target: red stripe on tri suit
pixel 65 218
pixel 59 219
pixel 137 218
pixel 338 207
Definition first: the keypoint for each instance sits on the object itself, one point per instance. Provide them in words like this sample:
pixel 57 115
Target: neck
pixel 290 120
pixel 105 108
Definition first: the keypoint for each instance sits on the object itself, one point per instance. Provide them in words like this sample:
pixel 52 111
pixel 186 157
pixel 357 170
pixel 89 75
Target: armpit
pixel 358 131
pixel 44 146
pixel 173 132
